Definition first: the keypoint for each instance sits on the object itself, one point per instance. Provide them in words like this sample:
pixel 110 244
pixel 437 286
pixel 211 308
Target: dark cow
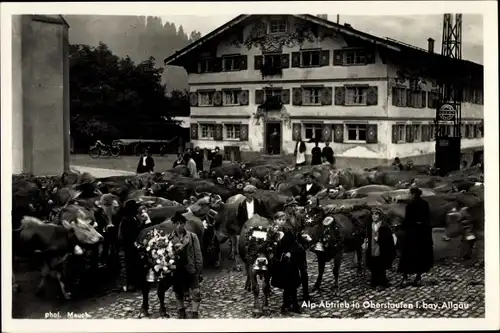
pixel 54 244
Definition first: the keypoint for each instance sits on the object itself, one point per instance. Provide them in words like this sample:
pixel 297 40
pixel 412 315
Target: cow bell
pixel 78 250
pixel 151 276
pixel 260 264
pixel 319 247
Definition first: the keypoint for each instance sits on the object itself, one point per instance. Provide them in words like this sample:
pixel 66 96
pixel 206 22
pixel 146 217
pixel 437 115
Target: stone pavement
pixel 223 296
pixel 101 172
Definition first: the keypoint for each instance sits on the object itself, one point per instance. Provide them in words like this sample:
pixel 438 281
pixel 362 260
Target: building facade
pixel 262 82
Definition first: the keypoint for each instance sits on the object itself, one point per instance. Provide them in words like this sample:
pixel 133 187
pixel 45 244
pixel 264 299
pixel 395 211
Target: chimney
pixel 323 16
pixel 430 44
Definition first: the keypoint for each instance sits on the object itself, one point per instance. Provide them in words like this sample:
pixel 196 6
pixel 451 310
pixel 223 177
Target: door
pixel 273 138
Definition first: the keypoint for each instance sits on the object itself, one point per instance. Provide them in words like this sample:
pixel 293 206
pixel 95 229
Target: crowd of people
pixel 318 155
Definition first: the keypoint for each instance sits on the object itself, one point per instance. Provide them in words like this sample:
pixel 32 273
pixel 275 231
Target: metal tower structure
pixel 450 99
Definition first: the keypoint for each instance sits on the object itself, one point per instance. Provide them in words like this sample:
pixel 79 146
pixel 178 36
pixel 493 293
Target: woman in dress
pixel 300 153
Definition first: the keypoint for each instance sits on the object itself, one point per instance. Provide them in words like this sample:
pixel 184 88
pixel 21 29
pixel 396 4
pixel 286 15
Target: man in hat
pixel 308 190
pixel 146 162
pixel 130 226
pixel 417 254
pixel 216 159
pixel 380 249
pixel 188 274
pixel 250 206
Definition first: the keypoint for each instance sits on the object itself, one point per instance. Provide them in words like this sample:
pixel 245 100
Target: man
pixel 398 163
pixel 191 164
pixel 316 154
pixel 179 160
pixel 274 140
pixel 198 158
pixel 146 163
pixel 417 254
pixel 188 275
pixel 216 159
pixel 328 153
pixel 250 206
pixel 308 190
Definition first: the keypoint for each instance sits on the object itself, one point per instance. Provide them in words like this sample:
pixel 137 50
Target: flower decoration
pixel 256 245
pixel 158 254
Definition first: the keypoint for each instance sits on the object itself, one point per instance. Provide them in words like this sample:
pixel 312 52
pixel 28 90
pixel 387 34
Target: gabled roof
pixel 343 29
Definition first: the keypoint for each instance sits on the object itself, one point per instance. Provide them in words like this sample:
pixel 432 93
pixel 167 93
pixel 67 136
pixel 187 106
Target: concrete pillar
pixel 40 122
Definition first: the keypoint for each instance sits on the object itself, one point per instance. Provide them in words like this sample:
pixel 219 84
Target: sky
pixel 414 30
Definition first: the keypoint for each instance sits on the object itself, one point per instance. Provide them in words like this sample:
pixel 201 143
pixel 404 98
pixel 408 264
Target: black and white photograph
pixel 164 165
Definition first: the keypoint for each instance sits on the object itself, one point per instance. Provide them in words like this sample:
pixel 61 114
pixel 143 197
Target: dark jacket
pixel 417 254
pixel 177 162
pixel 285 271
pixel 242 216
pixel 315 188
pixel 149 167
pixel 399 165
pixel 385 243
pixel 129 230
pixel 193 259
pixel 316 156
pixel 216 161
pixel 328 154
pixel 198 158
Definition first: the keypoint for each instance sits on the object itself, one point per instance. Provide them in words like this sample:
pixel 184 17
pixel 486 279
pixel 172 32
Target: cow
pixel 54 244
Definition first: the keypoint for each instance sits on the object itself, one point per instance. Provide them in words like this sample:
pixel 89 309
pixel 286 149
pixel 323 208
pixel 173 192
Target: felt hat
pixel 249 189
pixel 179 217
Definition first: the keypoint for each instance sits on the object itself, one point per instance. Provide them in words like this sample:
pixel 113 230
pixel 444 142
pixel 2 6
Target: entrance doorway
pixel 273 138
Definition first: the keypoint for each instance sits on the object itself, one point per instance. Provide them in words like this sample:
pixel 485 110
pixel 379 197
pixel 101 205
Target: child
pixel 279 221
pixel 380 251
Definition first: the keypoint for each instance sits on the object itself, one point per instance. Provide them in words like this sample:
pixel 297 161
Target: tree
pixel 111 96
pixel 195 35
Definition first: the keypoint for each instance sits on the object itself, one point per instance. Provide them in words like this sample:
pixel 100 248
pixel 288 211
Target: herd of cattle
pixel 71 222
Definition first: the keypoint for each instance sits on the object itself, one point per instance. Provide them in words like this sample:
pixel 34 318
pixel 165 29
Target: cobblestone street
pixel 224 296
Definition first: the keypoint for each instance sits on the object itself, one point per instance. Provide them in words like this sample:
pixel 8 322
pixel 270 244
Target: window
pixel 206 98
pixel 277 26
pixel 477 96
pixel 356 95
pixel 354 57
pixel 416 98
pixel 272 60
pixel 432 132
pixel 230 63
pixel 313 131
pixel 231 97
pixel 273 94
pixel 232 131
pixel 401 133
pixel 205 65
pixel 433 100
pixel 310 58
pixel 207 131
pixel 356 132
pixel 399 97
pixel 311 96
pixel 417 132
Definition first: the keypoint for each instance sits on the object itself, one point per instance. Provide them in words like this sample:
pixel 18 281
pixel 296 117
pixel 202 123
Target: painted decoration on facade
pixel 244 133
pixel 259 37
pixel 244 97
pixel 218 132
pixel 296 133
pixel 194 131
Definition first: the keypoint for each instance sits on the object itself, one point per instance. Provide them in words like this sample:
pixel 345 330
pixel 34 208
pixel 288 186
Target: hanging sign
pixel 446 112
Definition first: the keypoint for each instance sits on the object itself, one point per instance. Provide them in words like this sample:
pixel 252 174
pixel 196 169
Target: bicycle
pixel 101 149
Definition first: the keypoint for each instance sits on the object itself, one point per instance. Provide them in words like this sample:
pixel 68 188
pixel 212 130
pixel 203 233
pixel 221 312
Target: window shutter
pixel 285 96
pixel 244 97
pixel 259 97
pixel 395 134
pixel 370 57
pixel 297 132
pixel 243 62
pixel 424 98
pixel 327 133
pixel 324 59
pixel 371 133
pixel 338 133
pixel 194 132
pixel 425 133
pixel 295 59
pixel 409 133
pixel 339 95
pixel 193 98
pixel 258 62
pixel 394 97
pixel 338 57
pixel 409 102
pixel 297 96
pixel 218 132
pixel 372 96
pixel 218 98
pixel 326 96
pixel 285 60
pixel 243 132
pixel 217 65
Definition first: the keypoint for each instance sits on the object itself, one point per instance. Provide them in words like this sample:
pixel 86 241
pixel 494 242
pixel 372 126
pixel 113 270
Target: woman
pixel 417 254
pixel 179 160
pixel 380 249
pixel 300 153
pixel 286 274
pixel 216 159
pixel 316 154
